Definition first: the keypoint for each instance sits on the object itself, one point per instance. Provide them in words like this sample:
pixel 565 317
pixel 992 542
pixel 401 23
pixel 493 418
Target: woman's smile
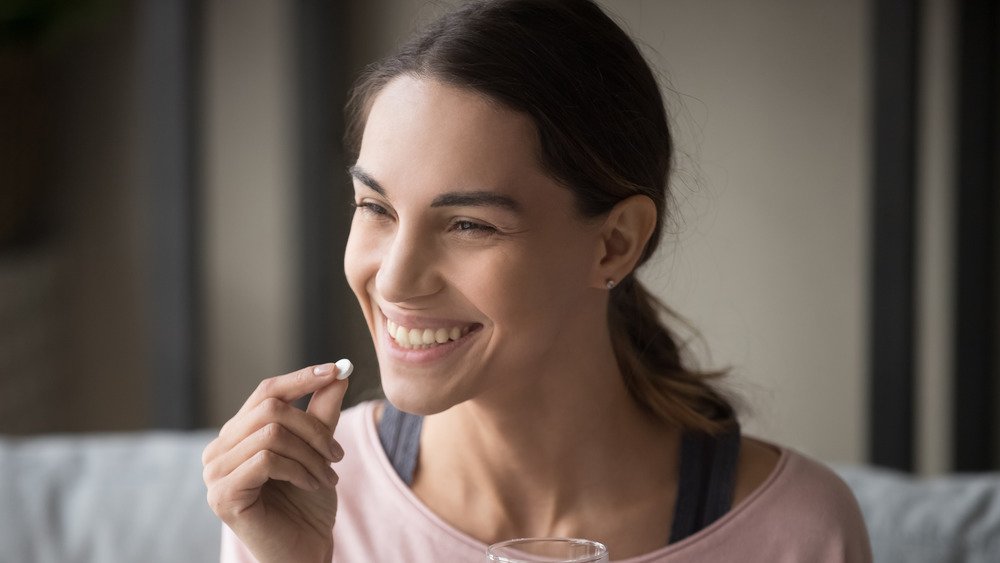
pixel 423 340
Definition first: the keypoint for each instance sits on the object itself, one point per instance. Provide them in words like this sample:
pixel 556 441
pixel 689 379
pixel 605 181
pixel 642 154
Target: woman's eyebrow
pixel 477 199
pixel 367 180
pixel 452 199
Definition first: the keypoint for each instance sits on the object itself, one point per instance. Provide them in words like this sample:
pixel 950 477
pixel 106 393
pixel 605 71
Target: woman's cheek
pixel 506 284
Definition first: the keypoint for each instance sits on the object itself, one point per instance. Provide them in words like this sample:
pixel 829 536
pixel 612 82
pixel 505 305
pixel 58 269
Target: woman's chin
pixel 416 400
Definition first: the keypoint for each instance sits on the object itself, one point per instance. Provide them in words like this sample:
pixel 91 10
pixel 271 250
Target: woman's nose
pixel 407 270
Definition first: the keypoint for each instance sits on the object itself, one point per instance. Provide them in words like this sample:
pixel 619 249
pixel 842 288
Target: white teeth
pixel 416 337
pixel 441 335
pixel 421 339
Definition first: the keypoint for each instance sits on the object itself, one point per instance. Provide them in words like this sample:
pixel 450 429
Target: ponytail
pixel 652 363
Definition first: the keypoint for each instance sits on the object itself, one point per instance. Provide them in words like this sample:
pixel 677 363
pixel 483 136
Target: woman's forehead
pixel 423 126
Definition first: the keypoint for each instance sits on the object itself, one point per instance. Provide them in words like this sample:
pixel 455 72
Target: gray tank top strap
pixel 399 433
pixel 706 482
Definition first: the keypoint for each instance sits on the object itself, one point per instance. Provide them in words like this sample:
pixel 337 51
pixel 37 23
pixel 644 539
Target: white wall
pixel 248 199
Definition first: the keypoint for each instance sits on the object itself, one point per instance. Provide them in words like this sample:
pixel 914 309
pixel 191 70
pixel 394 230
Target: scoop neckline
pixel 748 503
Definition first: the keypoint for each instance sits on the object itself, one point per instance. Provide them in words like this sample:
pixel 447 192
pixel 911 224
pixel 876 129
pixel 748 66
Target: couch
pixel 110 498
pixel 138 497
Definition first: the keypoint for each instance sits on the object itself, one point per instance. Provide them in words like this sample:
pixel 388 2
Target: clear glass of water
pixel 548 550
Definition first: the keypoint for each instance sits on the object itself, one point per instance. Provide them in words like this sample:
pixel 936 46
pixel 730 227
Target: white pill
pixel 344 368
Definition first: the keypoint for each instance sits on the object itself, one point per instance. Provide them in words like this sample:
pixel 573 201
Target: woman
pixel 510 175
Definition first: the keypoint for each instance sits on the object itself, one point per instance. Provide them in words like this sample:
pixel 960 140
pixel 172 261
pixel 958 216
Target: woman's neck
pixel 553 461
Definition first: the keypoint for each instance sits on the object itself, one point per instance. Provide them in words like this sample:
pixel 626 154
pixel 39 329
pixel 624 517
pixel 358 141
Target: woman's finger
pixel 271 410
pixel 291 386
pixel 240 489
pixel 327 402
pixel 271 437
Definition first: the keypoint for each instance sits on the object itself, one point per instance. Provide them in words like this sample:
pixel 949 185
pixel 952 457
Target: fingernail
pixel 323 370
pixel 344 368
pixel 336 450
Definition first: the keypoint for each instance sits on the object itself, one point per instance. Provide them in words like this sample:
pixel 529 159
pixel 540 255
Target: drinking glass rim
pixel 603 549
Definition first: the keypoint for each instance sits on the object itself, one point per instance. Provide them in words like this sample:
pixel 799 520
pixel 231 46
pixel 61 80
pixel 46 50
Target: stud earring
pixel 610 284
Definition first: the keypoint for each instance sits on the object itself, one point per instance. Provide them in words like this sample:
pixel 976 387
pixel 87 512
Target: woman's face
pixel 470 264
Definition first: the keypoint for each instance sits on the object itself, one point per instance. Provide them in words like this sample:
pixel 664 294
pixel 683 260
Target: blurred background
pixel 173 211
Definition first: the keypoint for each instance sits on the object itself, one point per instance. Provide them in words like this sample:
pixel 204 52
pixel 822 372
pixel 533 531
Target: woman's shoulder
pixel 786 507
pixel 801 497
pixel 805 482
pixel 757 462
pixel 783 475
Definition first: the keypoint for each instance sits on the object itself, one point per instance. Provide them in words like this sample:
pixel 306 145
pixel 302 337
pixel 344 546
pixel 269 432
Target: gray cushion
pixel 953 519
pixel 106 498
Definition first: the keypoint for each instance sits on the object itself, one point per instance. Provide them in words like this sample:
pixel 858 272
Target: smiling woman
pixel 512 164
pixel 517 283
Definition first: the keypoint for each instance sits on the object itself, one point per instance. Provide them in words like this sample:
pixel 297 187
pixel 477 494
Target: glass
pixel 548 550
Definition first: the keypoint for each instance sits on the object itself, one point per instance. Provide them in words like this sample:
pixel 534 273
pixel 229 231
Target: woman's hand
pixel 268 473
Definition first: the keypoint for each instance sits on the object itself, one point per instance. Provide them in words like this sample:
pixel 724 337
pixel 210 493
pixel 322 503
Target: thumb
pixel 326 401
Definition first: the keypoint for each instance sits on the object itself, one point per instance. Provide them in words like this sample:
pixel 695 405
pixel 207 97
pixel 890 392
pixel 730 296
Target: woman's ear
pixel 624 235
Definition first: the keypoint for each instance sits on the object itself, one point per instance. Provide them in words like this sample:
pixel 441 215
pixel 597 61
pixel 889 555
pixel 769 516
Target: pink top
pixel 802 512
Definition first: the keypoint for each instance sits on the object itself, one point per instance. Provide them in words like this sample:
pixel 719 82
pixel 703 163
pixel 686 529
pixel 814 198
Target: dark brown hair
pixel 604 135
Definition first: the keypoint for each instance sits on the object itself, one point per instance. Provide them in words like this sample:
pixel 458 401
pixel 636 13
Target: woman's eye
pixel 369 207
pixel 473 228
